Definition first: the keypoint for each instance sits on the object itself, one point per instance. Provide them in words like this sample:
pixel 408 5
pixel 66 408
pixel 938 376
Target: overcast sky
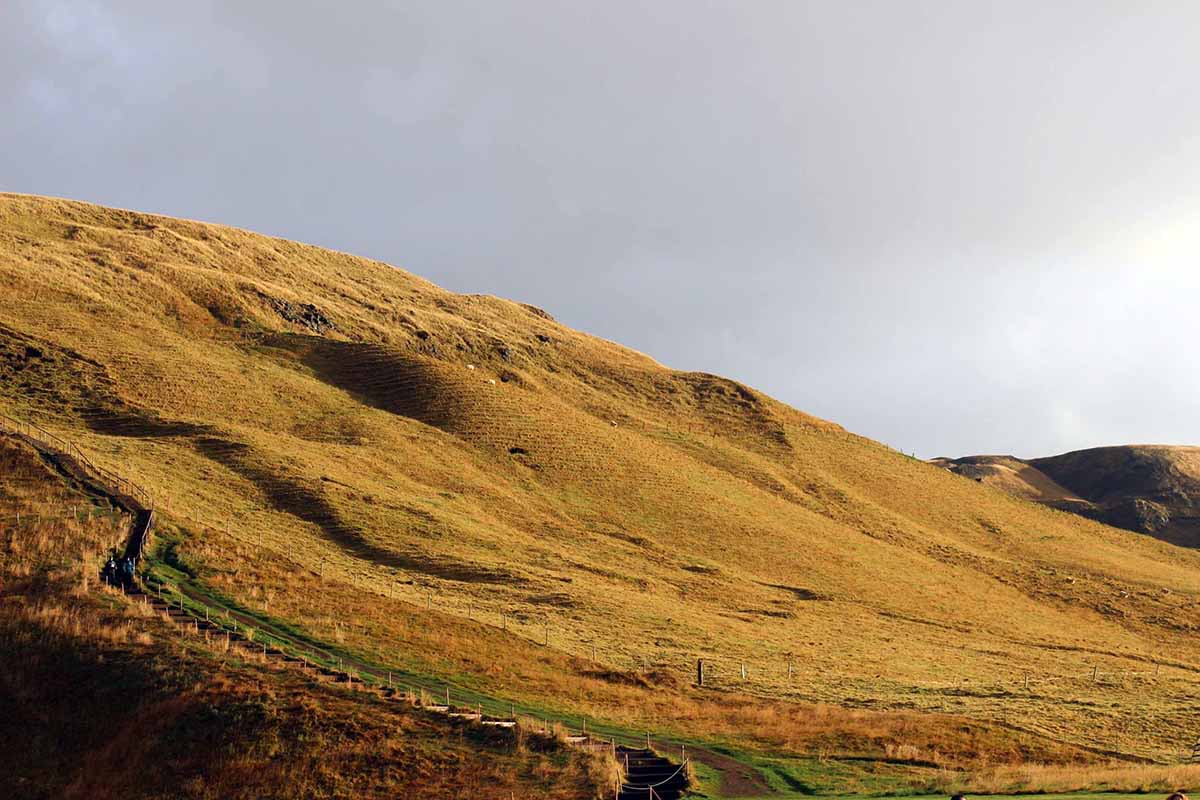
pixel 957 227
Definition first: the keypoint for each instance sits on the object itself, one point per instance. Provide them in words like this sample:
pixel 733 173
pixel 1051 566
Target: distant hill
pixel 1151 489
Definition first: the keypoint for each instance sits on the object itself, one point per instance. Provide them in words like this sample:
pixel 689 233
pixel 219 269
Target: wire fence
pixel 212 620
pixel 78 512
pixel 722 674
pixel 63 447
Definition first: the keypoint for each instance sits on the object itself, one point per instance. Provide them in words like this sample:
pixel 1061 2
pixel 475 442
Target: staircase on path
pixel 649 776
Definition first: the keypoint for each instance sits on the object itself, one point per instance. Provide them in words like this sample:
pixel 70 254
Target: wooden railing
pixel 144 517
pixel 65 447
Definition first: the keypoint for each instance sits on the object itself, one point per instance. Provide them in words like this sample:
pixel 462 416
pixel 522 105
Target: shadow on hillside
pixel 292 497
pixel 135 423
pixel 375 375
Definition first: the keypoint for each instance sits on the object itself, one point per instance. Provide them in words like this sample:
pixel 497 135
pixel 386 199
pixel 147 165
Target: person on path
pixel 127 570
pixel 109 573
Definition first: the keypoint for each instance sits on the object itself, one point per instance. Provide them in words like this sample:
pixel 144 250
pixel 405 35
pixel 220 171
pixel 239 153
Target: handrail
pixel 651 786
pixel 137 500
pixel 142 523
pixel 54 442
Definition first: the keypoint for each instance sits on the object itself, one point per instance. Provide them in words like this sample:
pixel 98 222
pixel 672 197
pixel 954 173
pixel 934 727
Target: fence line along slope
pixel 105 697
pixel 308 417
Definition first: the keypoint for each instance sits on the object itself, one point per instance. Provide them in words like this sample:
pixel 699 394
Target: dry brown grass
pixel 393 632
pixel 338 480
pixel 603 772
pixel 1061 779
pixel 103 698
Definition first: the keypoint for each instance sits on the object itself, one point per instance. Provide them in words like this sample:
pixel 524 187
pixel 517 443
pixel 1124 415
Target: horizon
pixel 957 252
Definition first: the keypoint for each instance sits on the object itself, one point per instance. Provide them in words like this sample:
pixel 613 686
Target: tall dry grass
pixel 105 698
pixel 603 771
pixel 1061 779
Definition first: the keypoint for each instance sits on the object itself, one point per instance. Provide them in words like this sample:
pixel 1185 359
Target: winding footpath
pixel 646 774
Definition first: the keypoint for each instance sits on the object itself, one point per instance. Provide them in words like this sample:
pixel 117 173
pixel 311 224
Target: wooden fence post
pixel 699 671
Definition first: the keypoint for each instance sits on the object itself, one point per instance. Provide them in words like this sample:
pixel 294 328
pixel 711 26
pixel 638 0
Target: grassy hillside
pixel 105 699
pixel 1015 477
pixel 447 482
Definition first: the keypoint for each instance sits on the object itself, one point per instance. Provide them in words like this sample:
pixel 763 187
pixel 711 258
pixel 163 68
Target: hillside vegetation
pixel 451 482
pixel 104 699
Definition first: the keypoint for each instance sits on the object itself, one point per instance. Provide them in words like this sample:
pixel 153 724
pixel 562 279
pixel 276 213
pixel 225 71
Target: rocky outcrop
pixel 1151 489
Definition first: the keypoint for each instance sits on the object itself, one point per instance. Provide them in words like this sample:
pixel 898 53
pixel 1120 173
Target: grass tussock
pixel 602 771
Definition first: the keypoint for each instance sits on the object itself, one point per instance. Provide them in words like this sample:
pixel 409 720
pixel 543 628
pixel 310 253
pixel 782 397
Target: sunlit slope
pixel 371 426
pixel 1013 476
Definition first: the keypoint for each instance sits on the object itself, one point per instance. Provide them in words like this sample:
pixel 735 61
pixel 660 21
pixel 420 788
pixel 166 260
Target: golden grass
pixel 1061 779
pixel 105 699
pixel 340 481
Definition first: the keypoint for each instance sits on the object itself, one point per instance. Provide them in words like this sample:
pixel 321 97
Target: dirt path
pixel 737 779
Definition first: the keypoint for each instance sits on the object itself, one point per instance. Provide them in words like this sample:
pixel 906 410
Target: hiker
pixel 127 570
pixel 958 797
pixel 109 573
pixel 1178 796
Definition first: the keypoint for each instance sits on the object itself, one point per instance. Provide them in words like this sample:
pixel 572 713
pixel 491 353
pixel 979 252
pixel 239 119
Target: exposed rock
pixel 1151 489
pixel 304 314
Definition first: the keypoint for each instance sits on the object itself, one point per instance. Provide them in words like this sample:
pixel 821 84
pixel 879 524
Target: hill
pixel 103 698
pixel 1151 489
pixel 460 486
